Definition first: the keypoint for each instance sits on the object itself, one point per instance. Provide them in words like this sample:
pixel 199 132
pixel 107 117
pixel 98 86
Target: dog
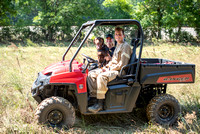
pixel 102 52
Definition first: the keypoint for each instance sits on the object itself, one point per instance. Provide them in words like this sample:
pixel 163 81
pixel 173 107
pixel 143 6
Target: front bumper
pixel 39 85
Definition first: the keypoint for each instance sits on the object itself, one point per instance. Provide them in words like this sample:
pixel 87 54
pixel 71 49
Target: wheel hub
pixel 166 112
pixel 55 117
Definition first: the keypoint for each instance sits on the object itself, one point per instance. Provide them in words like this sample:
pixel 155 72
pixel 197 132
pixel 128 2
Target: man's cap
pixel 109 35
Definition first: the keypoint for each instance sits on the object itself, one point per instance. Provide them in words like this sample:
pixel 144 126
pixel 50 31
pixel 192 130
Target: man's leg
pixel 102 80
pixel 91 82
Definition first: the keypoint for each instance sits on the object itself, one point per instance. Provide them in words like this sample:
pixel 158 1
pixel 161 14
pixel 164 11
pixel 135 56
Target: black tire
pixel 56 112
pixel 163 109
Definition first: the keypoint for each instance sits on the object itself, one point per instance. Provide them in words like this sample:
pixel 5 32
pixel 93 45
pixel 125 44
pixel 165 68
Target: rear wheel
pixel 56 112
pixel 163 109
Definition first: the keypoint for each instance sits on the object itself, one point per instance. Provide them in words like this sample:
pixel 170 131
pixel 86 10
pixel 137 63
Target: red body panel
pixel 175 78
pixel 60 74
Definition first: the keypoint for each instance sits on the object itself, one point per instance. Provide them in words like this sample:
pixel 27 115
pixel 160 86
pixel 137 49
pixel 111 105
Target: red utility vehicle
pixel 61 88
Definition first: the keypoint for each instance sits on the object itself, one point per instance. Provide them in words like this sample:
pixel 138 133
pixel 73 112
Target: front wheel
pixel 56 112
pixel 163 109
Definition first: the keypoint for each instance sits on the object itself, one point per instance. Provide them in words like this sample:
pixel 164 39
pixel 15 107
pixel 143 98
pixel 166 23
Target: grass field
pixel 19 68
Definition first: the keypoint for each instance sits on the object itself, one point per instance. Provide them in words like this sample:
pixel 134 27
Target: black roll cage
pixel 113 22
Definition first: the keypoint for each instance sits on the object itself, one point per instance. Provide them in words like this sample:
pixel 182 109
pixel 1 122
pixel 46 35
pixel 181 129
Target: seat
pixel 129 69
pixel 117 81
pixel 135 44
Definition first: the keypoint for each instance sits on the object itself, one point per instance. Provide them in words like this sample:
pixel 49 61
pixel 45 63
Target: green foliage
pixel 26 11
pixel 21 33
pixel 30 43
pixel 156 15
pixel 181 13
pixel 185 37
pixel 6 9
pixel 5 34
pixel 117 9
pixel 55 13
pixel 59 19
pixel 151 14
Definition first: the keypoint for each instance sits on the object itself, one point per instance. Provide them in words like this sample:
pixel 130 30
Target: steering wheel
pixel 89 59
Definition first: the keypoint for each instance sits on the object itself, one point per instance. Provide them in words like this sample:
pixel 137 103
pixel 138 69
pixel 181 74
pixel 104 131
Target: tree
pixel 156 15
pixel 117 9
pixel 26 11
pixel 59 15
pixel 181 13
pixel 192 8
pixel 6 10
pixel 151 14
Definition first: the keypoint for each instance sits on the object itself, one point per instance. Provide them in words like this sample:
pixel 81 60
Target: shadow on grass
pixel 136 121
pixel 125 121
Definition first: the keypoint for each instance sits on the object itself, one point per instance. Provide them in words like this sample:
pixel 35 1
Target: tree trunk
pixel 50 33
pixel 179 32
pixel 160 15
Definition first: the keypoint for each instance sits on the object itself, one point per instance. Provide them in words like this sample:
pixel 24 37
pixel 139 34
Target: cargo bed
pixel 163 71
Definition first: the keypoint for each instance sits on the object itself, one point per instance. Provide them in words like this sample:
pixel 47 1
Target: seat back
pixel 135 44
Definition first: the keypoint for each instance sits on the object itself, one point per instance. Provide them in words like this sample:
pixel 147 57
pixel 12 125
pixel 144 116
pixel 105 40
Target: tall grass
pixel 19 68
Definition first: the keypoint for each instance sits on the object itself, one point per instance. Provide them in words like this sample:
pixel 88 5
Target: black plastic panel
pixel 152 69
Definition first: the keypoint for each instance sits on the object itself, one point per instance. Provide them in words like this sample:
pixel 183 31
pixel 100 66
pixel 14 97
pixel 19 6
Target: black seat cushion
pixel 117 81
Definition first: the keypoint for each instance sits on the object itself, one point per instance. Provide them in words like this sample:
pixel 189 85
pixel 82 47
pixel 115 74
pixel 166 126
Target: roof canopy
pixel 113 22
